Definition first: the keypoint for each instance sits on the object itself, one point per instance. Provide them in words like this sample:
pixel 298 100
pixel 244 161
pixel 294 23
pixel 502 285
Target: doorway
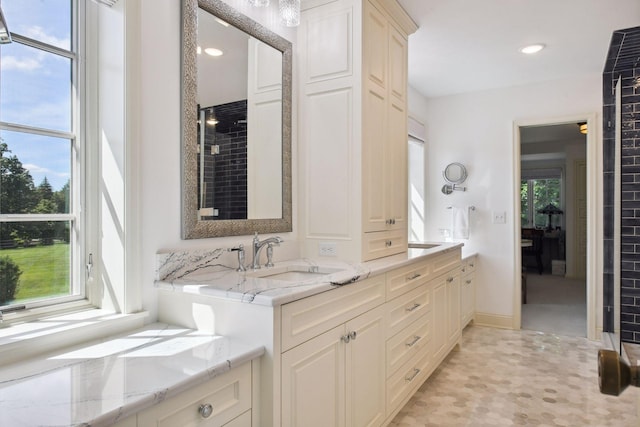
pixel 555 217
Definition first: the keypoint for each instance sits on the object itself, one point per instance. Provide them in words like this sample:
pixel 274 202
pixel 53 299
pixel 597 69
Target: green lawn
pixel 45 270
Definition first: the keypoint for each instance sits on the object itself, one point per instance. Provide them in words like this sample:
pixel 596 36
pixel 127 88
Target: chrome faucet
pixel 257 248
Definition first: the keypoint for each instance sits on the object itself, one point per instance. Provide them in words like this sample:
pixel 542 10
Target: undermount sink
pixel 293 273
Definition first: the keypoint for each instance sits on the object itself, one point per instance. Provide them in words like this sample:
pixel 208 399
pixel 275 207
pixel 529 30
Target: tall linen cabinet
pixel 353 128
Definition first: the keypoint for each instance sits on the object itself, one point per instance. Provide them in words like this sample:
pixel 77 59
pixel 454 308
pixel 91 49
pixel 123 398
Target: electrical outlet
pixel 327 249
pixel 499 217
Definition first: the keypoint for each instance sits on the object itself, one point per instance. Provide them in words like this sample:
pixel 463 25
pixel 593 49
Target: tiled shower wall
pixel 225 174
pixel 623 63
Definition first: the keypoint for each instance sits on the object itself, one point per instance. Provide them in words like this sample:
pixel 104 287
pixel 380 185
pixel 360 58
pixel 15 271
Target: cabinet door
pixel 313 382
pixel 396 163
pixel 467 299
pixel 365 369
pixel 374 164
pixel 453 307
pixel 439 311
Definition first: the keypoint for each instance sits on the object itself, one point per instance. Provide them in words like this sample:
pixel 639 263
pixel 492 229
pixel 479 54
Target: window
pixel 416 190
pixel 539 188
pixel 40 145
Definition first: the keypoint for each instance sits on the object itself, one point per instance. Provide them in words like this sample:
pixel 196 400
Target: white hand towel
pixel 460 223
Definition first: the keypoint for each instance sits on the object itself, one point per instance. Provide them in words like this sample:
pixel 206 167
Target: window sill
pixel 19 341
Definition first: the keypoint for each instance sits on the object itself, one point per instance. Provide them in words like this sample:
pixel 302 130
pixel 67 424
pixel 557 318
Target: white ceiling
pixel 471 45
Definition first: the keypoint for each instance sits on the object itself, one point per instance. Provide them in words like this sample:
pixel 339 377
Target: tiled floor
pixel 501 378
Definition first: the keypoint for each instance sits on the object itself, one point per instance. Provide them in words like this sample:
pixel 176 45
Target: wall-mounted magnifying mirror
pixel 455 173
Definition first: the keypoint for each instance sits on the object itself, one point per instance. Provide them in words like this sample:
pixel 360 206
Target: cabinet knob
pixel 346 338
pixel 449 279
pixel 353 335
pixel 388 243
pixel 205 410
pixel 468 281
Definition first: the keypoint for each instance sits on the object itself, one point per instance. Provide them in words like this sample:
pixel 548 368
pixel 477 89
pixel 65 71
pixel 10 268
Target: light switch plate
pixel 499 217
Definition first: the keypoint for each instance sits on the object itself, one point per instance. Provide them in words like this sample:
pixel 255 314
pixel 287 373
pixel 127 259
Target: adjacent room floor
pixel 504 377
pixel 555 304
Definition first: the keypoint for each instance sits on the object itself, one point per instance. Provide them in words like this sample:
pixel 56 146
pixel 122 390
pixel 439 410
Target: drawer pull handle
pixel 388 243
pixel 468 281
pixel 471 265
pixel 416 338
pixel 205 410
pixel 464 269
pixel 413 307
pixel 414 276
pixel 449 279
pixel 416 371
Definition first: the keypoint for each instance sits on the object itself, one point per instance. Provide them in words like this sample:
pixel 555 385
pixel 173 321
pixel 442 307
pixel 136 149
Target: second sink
pixel 294 273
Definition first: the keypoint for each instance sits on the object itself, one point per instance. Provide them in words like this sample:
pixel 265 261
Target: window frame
pixel 540 173
pixel 80 154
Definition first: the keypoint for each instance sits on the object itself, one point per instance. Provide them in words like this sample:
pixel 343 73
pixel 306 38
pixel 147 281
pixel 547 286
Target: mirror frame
pixel 192 227
pixel 463 173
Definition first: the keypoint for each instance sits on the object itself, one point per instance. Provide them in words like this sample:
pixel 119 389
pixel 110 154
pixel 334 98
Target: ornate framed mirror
pixel 236 124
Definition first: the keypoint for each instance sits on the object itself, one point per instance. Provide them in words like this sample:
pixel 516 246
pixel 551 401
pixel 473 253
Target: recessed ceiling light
pixel 532 48
pixel 213 52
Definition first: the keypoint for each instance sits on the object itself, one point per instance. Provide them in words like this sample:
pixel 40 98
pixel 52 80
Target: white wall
pixel 160 139
pixel 476 129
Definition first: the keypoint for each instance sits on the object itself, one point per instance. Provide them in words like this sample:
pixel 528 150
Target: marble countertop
pixel 202 275
pixel 102 382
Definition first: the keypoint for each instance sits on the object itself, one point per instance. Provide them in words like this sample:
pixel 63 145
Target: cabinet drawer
pixel 407 379
pixel 468 265
pixel 228 394
pixel 309 317
pixel 405 309
pixel 379 244
pixel 409 342
pixel 243 420
pixel 445 262
pixel 404 279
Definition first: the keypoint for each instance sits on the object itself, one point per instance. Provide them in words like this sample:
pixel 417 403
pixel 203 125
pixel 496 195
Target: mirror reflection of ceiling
pixel 464 46
pixel 221 79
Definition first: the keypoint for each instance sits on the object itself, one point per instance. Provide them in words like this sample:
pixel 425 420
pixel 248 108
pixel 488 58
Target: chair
pixel 535 250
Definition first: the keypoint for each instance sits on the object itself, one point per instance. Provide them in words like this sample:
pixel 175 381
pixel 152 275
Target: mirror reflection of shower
pixel 208 122
pixel 222 161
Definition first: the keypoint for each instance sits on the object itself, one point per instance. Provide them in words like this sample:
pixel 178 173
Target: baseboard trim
pixel 493 320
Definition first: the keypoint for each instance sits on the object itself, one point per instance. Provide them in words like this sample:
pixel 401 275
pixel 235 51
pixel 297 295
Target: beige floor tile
pixel 519 378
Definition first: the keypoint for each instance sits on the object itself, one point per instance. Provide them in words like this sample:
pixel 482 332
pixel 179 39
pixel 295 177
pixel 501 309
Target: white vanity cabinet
pixel 336 378
pixel 349 356
pixel 224 400
pixel 353 109
pixel 423 323
pixel 468 290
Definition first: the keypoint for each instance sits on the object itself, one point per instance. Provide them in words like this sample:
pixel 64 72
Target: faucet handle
pixel 270 255
pixel 240 250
